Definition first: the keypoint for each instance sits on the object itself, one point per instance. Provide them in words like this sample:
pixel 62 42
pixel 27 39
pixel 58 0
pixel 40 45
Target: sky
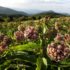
pixel 62 6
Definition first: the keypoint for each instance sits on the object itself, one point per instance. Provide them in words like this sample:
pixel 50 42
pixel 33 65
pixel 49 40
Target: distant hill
pixel 50 13
pixel 8 12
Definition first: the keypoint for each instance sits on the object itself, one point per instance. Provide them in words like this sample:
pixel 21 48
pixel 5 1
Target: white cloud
pixel 14 3
pixel 53 0
pixel 56 5
pixel 11 3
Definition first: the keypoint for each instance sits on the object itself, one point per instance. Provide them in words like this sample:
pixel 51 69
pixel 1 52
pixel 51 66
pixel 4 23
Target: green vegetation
pixel 35 43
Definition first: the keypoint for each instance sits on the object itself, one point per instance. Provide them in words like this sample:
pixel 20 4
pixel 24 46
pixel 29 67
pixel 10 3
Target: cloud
pixel 11 3
pixel 53 0
pixel 56 5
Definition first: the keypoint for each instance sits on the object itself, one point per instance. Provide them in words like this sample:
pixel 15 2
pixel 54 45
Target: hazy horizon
pixel 38 5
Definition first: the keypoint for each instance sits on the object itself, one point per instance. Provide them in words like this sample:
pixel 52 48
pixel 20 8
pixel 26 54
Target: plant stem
pixel 59 68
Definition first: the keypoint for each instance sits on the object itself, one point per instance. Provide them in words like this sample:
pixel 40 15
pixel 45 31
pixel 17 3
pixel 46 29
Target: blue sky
pixel 55 5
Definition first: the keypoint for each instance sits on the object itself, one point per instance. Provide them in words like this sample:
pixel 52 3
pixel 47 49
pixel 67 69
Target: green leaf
pixel 45 62
pixel 30 46
pixel 18 57
pixel 39 63
pixel 65 63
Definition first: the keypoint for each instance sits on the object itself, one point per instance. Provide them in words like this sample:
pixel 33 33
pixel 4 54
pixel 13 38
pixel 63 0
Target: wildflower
pixel 30 33
pixel 57 52
pixel 19 35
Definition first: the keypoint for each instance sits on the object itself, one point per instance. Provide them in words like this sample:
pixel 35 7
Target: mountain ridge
pixel 8 11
